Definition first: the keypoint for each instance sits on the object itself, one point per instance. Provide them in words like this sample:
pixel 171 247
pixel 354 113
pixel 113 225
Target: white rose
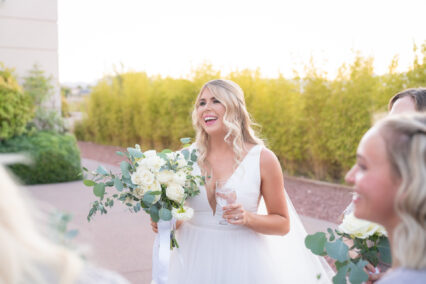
pixel 175 192
pixel 358 228
pixel 155 186
pixel 179 178
pixel 136 176
pixel 142 176
pixel 138 192
pixel 181 161
pixel 165 176
pixel 183 214
pixel 150 153
pixel 171 155
pixel 153 163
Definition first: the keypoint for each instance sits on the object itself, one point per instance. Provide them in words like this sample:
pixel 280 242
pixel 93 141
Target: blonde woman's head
pixel 220 109
pixel 27 256
pixel 391 184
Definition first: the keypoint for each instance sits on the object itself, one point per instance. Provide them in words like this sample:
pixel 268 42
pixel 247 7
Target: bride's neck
pixel 218 144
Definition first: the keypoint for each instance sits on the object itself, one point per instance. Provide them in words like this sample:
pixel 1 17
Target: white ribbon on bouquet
pixel 161 252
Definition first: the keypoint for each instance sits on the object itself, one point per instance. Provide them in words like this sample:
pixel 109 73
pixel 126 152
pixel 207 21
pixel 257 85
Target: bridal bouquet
pixel 156 182
pixel 367 243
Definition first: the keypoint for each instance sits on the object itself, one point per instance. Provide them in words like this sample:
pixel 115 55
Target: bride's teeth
pixel 209 118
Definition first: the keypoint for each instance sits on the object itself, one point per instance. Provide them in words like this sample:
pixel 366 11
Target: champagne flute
pixel 225 195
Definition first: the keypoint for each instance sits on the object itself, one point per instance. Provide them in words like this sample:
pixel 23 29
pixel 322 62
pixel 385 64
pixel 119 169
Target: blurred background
pixel 314 73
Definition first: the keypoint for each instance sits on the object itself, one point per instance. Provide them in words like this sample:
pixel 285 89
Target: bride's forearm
pixel 272 224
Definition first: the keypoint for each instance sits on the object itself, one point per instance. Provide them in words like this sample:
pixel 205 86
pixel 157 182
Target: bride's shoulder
pixel 268 160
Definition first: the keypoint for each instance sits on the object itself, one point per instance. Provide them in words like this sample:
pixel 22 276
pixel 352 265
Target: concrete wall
pixel 29 35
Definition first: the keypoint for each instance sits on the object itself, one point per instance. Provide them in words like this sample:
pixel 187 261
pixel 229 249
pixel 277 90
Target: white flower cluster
pixel 358 228
pixel 149 176
pixel 184 213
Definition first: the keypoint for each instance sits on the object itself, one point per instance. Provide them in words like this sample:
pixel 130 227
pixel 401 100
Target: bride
pixel 262 240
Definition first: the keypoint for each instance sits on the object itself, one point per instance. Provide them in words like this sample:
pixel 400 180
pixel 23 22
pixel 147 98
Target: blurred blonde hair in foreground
pixel 405 138
pixel 27 256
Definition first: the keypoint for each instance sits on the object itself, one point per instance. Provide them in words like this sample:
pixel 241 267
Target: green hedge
pixel 313 124
pixel 56 157
pixel 16 108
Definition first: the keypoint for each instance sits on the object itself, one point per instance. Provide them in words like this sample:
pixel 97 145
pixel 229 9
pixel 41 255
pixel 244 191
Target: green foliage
pixel 40 89
pixel 313 124
pixel 60 233
pixel 372 249
pixel 16 108
pixel 65 109
pixel 56 157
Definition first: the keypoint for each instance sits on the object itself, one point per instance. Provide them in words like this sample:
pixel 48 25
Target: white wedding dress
pixel 211 253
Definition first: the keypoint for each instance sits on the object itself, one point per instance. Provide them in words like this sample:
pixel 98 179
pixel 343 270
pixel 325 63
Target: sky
pixel 171 38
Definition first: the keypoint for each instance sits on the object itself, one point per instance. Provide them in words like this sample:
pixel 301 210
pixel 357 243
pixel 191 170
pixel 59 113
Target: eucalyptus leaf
pixel 88 182
pixel 337 250
pixel 165 214
pixel 101 170
pixel 135 153
pixel 120 153
pixel 185 153
pixel 194 156
pixel 148 199
pixel 153 212
pixel 125 166
pixel 384 250
pixel 185 140
pixel 357 275
pixel 316 243
pixel 166 151
pixel 340 277
pixel 332 237
pixel 118 184
pixel 99 190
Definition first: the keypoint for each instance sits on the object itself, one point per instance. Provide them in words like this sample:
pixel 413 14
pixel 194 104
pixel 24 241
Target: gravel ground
pixel 325 201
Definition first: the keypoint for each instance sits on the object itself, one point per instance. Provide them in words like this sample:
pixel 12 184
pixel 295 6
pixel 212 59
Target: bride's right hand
pixel 154 226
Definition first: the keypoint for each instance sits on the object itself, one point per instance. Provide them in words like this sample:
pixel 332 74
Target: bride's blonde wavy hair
pixel 236 119
pixel 405 139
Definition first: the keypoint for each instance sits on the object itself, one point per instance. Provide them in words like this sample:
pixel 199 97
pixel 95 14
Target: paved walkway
pixel 120 241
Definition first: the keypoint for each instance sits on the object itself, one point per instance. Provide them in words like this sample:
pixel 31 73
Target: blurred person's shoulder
pixel 404 275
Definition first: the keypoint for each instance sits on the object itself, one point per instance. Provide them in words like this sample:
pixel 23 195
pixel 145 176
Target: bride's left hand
pixel 235 214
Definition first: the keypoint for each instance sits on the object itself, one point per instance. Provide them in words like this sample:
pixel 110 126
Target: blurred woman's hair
pixel 236 119
pixel 27 255
pixel 418 96
pixel 405 139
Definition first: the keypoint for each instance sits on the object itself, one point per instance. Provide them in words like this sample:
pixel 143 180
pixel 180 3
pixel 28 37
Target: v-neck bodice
pixel 245 180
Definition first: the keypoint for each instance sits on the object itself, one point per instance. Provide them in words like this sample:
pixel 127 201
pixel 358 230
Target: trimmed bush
pixel 313 124
pixel 56 157
pixel 16 108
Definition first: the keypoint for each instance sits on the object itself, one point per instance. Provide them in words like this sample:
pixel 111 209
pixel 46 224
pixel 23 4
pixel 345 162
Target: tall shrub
pixel 16 108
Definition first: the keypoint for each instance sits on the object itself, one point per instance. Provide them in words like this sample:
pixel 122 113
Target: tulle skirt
pixel 211 253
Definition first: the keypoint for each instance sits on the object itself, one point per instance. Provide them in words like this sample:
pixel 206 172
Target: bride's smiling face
pixel 210 112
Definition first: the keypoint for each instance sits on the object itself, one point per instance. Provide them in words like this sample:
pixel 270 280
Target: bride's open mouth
pixel 210 120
